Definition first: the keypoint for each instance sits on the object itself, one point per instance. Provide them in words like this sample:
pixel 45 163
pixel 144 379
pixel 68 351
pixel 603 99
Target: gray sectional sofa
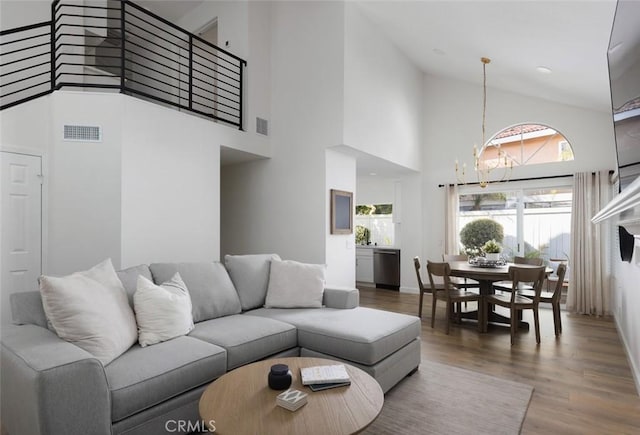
pixel 50 386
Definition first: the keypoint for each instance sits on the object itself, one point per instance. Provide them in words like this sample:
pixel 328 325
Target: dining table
pixel 486 276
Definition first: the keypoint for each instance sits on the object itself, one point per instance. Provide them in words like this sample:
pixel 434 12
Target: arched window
pixel 526 144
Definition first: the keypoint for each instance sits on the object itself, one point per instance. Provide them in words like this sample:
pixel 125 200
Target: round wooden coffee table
pixel 240 402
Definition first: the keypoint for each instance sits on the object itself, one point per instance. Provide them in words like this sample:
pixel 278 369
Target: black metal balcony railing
pixel 122 48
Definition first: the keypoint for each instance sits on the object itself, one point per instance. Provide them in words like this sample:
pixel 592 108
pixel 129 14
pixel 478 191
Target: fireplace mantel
pixel 626 207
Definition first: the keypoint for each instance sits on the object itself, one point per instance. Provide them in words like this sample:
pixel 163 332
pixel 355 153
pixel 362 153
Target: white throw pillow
pixel 90 309
pixel 295 285
pixel 163 311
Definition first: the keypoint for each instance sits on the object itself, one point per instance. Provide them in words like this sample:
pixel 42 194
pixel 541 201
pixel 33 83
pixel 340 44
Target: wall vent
pixel 82 133
pixel 262 126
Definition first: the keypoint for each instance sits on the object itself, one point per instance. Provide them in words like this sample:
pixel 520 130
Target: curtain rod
pixel 548 177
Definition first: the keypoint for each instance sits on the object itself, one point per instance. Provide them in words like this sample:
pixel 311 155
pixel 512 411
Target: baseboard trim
pixel 412 290
pixel 635 370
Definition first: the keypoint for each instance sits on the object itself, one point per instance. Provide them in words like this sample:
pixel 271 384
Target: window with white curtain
pixel 536 217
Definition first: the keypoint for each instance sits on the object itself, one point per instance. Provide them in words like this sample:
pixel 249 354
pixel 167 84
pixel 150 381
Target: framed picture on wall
pixel 341 212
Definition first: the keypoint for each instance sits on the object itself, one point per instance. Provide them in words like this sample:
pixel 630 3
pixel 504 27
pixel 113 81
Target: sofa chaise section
pixel 361 336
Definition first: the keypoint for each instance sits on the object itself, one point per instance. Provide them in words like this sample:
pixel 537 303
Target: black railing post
pixel 240 96
pixel 122 49
pixel 190 71
pixel 53 44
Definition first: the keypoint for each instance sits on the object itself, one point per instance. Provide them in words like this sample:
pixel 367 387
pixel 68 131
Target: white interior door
pixel 20 227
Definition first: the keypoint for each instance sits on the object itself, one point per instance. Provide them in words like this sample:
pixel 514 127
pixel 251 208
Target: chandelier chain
pixel 483 168
pixel 484 97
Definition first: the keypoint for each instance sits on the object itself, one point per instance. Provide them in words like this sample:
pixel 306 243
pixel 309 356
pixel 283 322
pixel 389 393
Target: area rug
pixel 440 399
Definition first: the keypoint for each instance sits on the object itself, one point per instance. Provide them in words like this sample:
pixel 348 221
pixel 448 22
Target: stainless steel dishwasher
pixel 386 268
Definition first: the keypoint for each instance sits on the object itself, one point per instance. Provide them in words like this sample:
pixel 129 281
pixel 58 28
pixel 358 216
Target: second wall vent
pixel 82 133
pixel 262 126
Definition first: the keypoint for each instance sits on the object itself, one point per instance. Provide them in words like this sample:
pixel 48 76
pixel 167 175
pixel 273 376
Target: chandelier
pixel 483 167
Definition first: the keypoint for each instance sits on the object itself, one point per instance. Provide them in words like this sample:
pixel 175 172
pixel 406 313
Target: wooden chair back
pixel 416 264
pixel 441 270
pixel 452 257
pixel 537 261
pixel 561 272
pixel 533 276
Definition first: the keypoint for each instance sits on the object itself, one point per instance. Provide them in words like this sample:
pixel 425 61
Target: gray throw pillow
pixel 26 309
pixel 212 292
pixel 129 279
pixel 250 275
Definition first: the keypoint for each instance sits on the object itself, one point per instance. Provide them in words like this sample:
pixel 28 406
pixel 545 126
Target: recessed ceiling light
pixel 373 174
pixel 543 70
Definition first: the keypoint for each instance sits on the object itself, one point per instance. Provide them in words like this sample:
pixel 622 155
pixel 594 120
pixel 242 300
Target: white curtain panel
pixel 590 267
pixel 451 206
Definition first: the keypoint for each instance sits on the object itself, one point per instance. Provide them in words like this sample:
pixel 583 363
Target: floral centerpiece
pixel 471 252
pixel 492 250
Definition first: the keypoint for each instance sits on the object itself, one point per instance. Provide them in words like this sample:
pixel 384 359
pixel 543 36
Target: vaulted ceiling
pixel 448 38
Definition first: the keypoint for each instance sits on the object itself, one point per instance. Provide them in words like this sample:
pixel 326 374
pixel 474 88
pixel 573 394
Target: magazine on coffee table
pixel 332 374
pixel 320 387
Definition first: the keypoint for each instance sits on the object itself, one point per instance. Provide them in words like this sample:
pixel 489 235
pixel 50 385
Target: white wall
pixel 625 304
pixel 233 23
pixel 382 94
pixel 18 13
pixel 170 185
pixel 410 229
pixel 375 190
pixel 453 125
pixel 279 205
pixel 383 117
pixel 17 132
pixel 148 192
pixel 83 183
pixel 81 193
pixel 340 248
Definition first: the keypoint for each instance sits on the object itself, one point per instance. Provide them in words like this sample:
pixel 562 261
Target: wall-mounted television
pixel 624 76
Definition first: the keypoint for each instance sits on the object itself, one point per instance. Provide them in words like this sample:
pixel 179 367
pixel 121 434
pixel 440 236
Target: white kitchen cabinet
pixel 364 265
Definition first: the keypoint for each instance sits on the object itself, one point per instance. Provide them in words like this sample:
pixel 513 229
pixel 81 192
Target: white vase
pixel 492 257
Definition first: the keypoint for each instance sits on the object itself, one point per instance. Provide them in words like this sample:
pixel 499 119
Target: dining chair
pixel 421 287
pixel 532 261
pixel 507 286
pixel 552 298
pixel 551 279
pixel 515 302
pixel 457 281
pixel 448 293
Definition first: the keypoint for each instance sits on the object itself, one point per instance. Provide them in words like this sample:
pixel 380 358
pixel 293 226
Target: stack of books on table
pixel 291 399
pixel 323 377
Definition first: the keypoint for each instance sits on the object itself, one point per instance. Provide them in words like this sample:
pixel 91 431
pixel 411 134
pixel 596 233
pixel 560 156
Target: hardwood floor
pixel 582 380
